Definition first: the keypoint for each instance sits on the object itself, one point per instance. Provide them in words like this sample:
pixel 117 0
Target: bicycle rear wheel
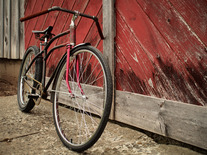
pixel 26 80
pixel 81 117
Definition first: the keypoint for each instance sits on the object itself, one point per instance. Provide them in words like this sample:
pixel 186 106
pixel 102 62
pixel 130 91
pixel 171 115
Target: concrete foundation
pixel 9 70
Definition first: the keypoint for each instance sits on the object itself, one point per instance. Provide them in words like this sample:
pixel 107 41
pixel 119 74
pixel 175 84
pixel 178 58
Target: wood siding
pixel 11 30
pixel 161 49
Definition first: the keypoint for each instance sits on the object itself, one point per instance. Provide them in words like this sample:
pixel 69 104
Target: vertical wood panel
pixel 109 32
pixel 6 29
pixel 2 29
pixel 15 29
pixel 11 37
pixel 22 36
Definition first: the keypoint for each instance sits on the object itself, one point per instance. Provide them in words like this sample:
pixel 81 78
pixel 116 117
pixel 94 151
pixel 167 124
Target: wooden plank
pixel 109 31
pixel 183 122
pixel 194 13
pixel 2 29
pixel 185 44
pixel 6 37
pixel 22 36
pixel 124 76
pixel 15 30
pixel 9 28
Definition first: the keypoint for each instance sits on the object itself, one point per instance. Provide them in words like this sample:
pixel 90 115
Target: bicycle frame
pixel 69 47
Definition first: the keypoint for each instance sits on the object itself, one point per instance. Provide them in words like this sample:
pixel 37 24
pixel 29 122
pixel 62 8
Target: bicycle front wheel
pixel 81 116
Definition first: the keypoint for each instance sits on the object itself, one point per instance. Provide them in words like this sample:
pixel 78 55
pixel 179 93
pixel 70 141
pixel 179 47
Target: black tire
pixel 90 109
pixel 26 104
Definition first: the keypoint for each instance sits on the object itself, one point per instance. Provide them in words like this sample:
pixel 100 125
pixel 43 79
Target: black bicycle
pixel 81 84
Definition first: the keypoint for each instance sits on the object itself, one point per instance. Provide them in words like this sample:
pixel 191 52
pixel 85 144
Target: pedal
pixel 34 96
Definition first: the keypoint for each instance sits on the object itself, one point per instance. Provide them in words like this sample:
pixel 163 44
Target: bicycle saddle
pixel 47 30
pixel 47 33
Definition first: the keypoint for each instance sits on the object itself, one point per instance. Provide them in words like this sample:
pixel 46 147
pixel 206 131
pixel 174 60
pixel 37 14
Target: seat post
pixel 42 45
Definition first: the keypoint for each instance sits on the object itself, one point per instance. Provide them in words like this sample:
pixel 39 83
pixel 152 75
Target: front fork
pixel 77 68
pixel 77 60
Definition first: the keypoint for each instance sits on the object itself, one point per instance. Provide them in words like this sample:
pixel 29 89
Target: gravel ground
pixel 34 133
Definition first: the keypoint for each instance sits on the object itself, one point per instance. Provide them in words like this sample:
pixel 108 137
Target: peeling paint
pixel 134 57
pixel 150 82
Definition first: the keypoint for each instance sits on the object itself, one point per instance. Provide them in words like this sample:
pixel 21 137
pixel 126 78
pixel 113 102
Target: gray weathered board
pixel 11 36
pixel 180 121
pixel 109 31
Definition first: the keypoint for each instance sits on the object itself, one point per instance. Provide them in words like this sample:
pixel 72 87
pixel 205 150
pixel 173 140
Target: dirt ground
pixel 7 89
pixel 34 133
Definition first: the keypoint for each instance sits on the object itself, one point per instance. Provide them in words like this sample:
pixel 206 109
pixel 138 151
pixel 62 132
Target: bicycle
pixel 81 84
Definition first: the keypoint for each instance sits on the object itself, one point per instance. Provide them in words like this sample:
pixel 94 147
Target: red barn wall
pixel 161 49
pixel 161 45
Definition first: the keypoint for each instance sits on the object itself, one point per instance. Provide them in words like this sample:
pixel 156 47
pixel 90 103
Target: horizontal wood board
pixel 180 121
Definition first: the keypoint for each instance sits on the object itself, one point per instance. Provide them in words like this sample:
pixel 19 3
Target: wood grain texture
pixel 196 23
pixel 184 122
pixel 164 58
pixel 109 32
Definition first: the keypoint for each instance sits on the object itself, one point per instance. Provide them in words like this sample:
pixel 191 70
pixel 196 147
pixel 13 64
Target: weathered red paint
pixel 164 57
pixel 195 15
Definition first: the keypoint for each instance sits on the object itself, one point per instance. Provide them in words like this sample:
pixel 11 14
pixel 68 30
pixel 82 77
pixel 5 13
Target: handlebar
pixel 57 8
